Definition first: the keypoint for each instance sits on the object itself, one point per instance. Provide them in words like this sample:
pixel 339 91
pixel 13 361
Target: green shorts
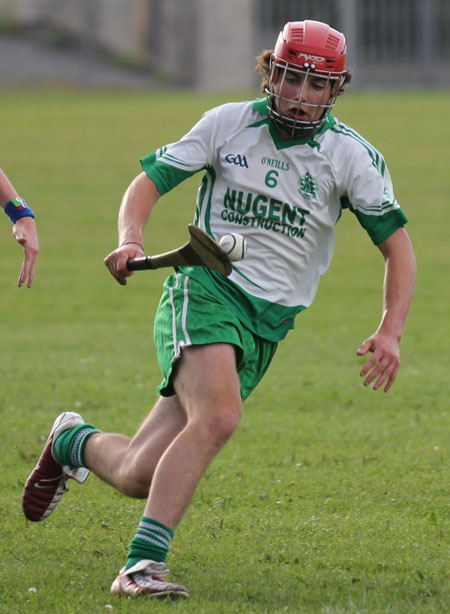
pixel 188 314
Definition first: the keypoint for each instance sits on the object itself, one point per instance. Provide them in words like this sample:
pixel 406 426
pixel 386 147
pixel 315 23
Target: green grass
pixel 330 498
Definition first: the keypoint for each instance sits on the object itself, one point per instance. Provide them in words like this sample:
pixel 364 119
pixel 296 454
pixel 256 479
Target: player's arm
pixel 24 229
pixel 400 271
pixel 7 190
pixel 137 204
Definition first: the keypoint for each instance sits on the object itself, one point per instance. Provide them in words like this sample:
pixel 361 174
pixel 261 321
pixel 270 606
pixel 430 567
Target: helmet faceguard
pixel 310 54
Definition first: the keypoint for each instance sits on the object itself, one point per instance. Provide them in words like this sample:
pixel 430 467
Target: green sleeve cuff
pixel 164 176
pixel 381 227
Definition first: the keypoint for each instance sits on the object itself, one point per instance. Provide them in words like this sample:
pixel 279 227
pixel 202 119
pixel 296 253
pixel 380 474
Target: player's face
pixel 300 95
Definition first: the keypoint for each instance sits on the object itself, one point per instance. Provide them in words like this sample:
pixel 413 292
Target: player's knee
pixel 135 481
pixel 221 424
pixel 136 489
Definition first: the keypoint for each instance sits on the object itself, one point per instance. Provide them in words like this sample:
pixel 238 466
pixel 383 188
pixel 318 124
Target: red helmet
pixel 310 49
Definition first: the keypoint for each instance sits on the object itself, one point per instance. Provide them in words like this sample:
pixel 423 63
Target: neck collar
pixel 261 106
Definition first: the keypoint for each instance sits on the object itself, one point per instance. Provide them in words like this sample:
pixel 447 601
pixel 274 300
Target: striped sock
pixel 68 449
pixel 151 542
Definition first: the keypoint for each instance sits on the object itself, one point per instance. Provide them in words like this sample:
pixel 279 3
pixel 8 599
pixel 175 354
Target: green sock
pixel 151 542
pixel 68 449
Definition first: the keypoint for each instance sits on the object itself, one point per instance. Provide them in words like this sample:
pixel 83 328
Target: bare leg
pixel 174 446
pixel 128 463
pixel 207 386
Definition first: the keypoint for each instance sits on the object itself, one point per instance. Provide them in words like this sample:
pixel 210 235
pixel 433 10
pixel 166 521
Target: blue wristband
pixel 17 208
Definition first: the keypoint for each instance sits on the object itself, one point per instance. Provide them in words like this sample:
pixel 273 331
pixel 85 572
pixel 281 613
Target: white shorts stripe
pixel 176 349
pixel 187 338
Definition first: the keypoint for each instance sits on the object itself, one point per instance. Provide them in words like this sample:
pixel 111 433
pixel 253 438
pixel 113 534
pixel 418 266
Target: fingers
pixel 364 348
pixel 382 367
pixel 391 379
pixel 116 262
pixel 380 372
pixel 28 266
pixel 27 271
pixel 24 231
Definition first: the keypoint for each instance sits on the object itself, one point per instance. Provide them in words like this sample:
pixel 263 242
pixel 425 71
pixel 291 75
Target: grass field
pixel 330 498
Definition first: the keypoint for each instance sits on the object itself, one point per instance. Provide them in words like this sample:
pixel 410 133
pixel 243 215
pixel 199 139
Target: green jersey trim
pixel 267 320
pixel 164 175
pixel 260 105
pixel 204 200
pixel 250 281
pixel 376 157
pixel 379 227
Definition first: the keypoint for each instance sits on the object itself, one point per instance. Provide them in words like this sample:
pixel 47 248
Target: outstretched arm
pixel 137 204
pixel 400 271
pixel 24 231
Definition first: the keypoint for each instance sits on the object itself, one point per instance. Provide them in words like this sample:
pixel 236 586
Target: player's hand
pixel 383 365
pixel 25 233
pixel 116 261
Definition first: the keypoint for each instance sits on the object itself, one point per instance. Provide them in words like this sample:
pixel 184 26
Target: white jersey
pixel 283 196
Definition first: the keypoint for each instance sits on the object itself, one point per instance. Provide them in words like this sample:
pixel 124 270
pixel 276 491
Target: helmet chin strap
pixel 290 126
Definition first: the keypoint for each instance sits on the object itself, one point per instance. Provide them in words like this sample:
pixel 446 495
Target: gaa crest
pixel 307 186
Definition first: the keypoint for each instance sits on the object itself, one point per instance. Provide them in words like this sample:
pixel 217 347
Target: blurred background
pixel 207 45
